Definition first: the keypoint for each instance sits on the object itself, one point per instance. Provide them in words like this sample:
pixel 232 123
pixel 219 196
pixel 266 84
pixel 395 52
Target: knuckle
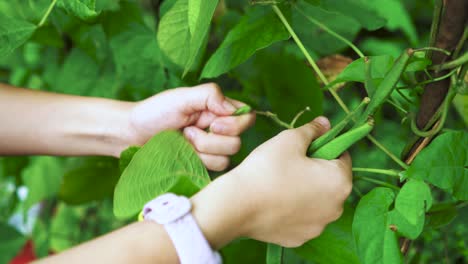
pixel 213 87
pixel 236 145
pixel 200 145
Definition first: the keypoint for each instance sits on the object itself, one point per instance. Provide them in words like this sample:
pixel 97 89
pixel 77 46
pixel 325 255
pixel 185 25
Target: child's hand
pixel 278 194
pixel 193 110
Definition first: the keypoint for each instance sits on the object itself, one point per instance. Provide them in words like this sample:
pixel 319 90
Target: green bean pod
pixel 334 131
pixel 386 86
pixel 242 110
pixel 336 147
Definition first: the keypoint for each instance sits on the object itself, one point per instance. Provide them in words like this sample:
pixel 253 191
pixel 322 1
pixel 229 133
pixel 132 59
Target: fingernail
pixel 217 127
pixel 189 133
pixel 323 121
pixel 228 106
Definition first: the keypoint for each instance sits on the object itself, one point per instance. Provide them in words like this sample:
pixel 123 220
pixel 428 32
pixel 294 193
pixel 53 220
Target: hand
pixel 280 195
pixel 193 110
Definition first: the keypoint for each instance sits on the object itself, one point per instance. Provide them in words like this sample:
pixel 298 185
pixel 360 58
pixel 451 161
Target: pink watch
pixel 173 212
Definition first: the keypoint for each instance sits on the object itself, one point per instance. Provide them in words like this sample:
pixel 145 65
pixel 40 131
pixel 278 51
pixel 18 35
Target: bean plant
pixel 390 74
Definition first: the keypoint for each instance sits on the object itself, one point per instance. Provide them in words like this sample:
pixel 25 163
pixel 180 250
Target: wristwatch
pixel 173 212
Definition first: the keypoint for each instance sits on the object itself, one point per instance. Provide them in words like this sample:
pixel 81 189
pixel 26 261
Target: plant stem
pixel 440 78
pixel 293 122
pixel 47 13
pixel 333 33
pixel 275 118
pixel 390 154
pixel 446 52
pixel 397 106
pixel 325 81
pixel 452 64
pixel 381 183
pixel 392 173
pixel 438 6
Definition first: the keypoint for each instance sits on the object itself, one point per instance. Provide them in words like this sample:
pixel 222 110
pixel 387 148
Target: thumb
pixel 209 97
pixel 310 131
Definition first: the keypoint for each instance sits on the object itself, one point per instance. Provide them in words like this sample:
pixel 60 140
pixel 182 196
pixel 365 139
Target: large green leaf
pixel 444 163
pixel 42 177
pixel 413 200
pixel 375 241
pixel 184 28
pixel 156 168
pixel 258 29
pixel 314 37
pixel 126 156
pixel 13 33
pixel 84 9
pixel 360 10
pixel 244 251
pixel 290 86
pixel 88 180
pixel 11 244
pixel 335 245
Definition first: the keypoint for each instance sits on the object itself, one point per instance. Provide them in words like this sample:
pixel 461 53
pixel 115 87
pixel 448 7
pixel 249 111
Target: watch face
pixel 166 208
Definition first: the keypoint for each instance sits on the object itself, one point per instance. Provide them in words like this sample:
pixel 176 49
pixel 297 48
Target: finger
pixel 210 143
pixel 345 162
pixel 205 119
pixel 310 131
pixel 208 96
pixel 214 162
pixel 232 125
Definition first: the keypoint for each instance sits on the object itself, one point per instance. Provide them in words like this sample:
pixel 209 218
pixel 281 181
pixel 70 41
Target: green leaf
pixel 13 33
pixel 417 63
pixel 360 10
pixel 42 177
pixel 64 228
pixel 444 163
pixel 259 28
pixel 144 69
pixel 375 241
pixel 335 245
pixel 183 30
pixel 399 223
pixel 12 242
pixel 460 102
pixel 84 9
pixel 274 254
pixel 397 17
pixel 126 156
pixel 413 200
pixel 90 180
pixel 244 251
pixel 290 86
pixel 355 71
pixel 155 169
pixel 317 39
pixel 441 215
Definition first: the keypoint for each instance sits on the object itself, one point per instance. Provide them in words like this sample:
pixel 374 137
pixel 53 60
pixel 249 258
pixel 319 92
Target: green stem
pixel 446 52
pixel 333 33
pixel 452 64
pixel 440 78
pixel 293 122
pixel 47 13
pixel 438 6
pixel 325 81
pixel 390 154
pixel 381 183
pixel 397 106
pixel 275 118
pixel 392 173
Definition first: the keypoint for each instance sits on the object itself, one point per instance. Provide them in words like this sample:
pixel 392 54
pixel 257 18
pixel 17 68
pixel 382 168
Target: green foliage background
pixel 129 50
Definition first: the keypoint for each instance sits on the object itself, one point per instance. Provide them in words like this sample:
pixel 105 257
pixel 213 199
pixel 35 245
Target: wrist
pixel 222 211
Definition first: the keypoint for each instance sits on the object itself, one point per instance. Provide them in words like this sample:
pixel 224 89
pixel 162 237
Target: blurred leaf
pixel 441 215
pixel 65 229
pixel 375 241
pixel 359 10
pixel 413 200
pixel 126 156
pixel 11 244
pixel 290 86
pixel 13 33
pixel 154 170
pixel 93 179
pixel 183 30
pixel 417 63
pixel 444 163
pixel 40 238
pixel 382 46
pixel 42 177
pixel 84 9
pixel 244 251
pixel 239 44
pixel 314 37
pixel 274 254
pixel 336 243
pixel 461 105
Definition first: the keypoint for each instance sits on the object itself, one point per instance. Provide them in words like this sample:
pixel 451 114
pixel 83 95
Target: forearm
pixel 35 122
pixel 218 209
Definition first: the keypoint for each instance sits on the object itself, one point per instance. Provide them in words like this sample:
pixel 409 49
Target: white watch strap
pixel 173 212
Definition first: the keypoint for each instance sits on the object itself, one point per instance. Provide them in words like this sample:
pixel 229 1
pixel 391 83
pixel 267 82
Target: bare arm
pixel 35 122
